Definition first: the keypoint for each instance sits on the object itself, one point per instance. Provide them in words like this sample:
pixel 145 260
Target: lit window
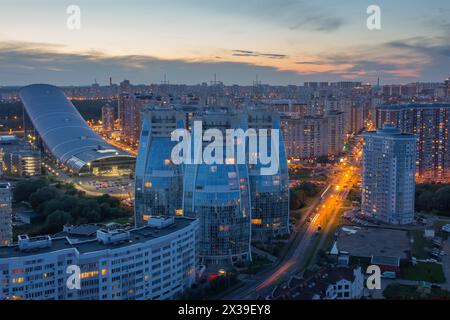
pixel 88 274
pixel 257 221
pixel 230 161
pixel 17 280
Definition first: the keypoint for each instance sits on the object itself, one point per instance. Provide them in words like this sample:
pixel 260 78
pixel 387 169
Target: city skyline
pixel 190 42
pixel 246 151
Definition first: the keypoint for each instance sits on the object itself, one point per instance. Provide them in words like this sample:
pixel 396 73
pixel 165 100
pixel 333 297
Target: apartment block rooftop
pixel 105 238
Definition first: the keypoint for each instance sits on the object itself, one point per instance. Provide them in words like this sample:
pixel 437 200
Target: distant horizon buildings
pixel 430 122
pixel 388 175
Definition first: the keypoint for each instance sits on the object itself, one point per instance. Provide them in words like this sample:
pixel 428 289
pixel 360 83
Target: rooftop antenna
pixel 214 82
pixel 165 81
pixel 256 82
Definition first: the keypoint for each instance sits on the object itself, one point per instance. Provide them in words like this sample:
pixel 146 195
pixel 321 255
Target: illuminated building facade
pixel 219 196
pixel 269 193
pixel 18 158
pixel 153 262
pixel 389 163
pixel 131 107
pixel 5 213
pixel 61 133
pixel 226 196
pixel 158 182
pixel 108 119
pixel 430 123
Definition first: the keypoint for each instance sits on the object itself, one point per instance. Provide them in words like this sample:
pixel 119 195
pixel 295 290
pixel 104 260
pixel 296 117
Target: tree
pixel 310 189
pixel 25 188
pixel 296 200
pixel 87 211
pixel 42 195
pixel 64 203
pixel 442 200
pixel 106 198
pixel 424 201
pixel 56 220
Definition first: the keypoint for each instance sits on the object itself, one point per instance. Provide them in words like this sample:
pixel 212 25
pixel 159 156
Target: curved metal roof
pixel 62 129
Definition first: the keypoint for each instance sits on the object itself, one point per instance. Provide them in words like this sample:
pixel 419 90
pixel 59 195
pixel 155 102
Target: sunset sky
pixel 283 42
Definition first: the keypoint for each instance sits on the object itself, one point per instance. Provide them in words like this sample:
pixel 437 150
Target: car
pixel 389 275
pixel 435 286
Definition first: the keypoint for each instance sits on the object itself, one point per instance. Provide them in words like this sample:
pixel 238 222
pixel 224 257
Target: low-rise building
pixel 329 283
pixel 18 158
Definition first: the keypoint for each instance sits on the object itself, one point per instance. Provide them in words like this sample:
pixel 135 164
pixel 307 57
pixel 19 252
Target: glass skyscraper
pixel 218 195
pixel 158 182
pixel 232 199
pixel 269 193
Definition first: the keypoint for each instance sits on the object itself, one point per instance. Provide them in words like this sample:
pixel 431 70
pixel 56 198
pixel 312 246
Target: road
pixel 307 239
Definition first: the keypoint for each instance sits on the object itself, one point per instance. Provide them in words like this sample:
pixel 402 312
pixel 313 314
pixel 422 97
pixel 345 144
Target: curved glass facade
pixel 159 182
pixel 67 137
pixel 218 195
pixel 230 199
pixel 269 193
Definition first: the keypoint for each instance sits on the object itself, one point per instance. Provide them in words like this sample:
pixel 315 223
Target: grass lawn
pixel 400 291
pixel 258 264
pixel 424 271
pixel 301 174
pixel 421 245
pixel 337 223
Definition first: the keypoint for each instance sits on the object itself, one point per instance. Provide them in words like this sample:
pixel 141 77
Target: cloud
pixel 25 63
pixel 314 63
pixel 245 53
pixel 403 60
pixel 293 14
pixel 318 22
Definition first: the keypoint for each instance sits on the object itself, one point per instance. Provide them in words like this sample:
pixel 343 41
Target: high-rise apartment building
pixel 389 158
pixel 108 119
pixel 430 123
pixel 5 213
pixel 130 114
pixel 314 136
pixel 334 132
